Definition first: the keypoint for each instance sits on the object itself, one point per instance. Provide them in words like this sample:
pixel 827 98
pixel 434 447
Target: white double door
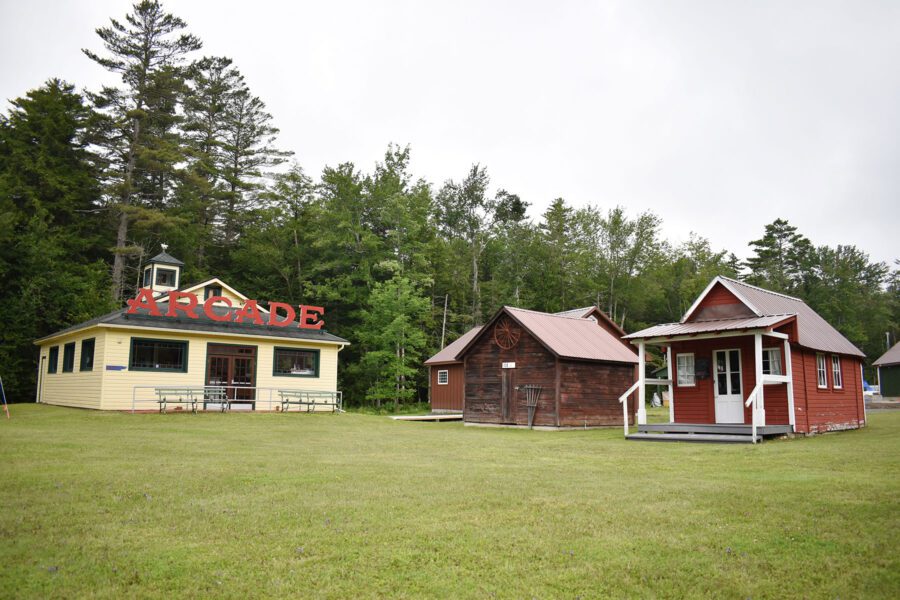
pixel 728 386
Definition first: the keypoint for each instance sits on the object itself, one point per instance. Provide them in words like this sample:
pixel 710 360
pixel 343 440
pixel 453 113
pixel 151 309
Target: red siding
pixel 718 296
pixel 720 303
pixel 698 404
pixel 449 396
pixel 828 409
pixel 816 409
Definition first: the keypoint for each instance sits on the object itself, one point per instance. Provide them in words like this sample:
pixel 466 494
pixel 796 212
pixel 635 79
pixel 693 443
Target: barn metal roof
pixel 712 326
pixel 891 357
pixel 451 350
pixel 570 337
pixel 813 331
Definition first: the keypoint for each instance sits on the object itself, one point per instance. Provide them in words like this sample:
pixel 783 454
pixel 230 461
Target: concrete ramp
pixel 432 417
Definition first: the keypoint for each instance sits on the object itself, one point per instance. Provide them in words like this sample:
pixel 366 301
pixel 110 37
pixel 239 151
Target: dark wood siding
pixel 449 396
pixel 587 393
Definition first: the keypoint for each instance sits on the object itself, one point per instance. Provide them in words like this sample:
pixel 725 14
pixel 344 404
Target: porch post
pixel 759 415
pixel 789 371
pixel 671 386
pixel 642 388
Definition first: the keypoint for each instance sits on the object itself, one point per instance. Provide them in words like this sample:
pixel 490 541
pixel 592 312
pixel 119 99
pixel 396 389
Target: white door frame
pixel 729 370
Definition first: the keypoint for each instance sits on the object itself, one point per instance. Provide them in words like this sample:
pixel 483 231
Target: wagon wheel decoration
pixel 506 335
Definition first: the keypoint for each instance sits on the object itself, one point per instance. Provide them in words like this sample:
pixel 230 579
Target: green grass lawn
pixel 341 506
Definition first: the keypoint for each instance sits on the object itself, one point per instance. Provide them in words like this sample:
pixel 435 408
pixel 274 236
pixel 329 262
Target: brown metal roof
pixel 813 331
pixel 771 307
pixel 572 337
pixel 713 326
pixel 591 311
pixel 891 357
pixel 451 350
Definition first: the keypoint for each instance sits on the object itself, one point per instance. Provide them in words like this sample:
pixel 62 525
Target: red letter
pixel 144 299
pixel 249 311
pixel 273 316
pixel 211 314
pixel 187 309
pixel 310 317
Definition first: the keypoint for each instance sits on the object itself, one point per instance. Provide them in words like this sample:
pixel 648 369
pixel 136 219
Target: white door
pixel 728 386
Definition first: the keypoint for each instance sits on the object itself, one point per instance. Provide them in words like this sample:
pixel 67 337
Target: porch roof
pixel 668 330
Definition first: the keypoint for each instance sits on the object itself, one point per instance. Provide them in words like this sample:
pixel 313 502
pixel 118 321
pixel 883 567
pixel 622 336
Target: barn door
pixel 508 396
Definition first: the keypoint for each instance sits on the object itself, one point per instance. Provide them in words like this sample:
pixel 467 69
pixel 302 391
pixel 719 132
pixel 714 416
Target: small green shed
pixel 889 372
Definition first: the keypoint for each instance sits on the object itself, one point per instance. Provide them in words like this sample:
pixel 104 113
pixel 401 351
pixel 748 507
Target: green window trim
pixel 87 355
pixel 316 354
pixel 184 356
pixel 68 358
pixel 161 274
pixel 52 360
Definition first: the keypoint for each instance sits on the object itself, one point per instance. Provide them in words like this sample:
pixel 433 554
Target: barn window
pixel 53 359
pixel 821 371
pixel 69 357
pixel 292 362
pixel 685 365
pixel 837 380
pixel 87 355
pixel 771 359
pixel 443 377
pixel 158 355
pixel 147 275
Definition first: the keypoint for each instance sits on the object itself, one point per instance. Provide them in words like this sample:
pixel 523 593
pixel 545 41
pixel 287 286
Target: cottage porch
pixel 718 382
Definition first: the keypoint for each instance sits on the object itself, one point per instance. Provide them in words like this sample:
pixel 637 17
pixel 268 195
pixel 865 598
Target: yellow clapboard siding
pixel 119 385
pixel 81 389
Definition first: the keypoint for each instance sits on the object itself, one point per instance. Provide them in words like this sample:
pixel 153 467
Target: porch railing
pixel 753 399
pixel 623 400
pixel 144 397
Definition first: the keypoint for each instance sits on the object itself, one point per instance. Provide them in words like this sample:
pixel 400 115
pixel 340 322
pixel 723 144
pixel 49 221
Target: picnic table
pixel 311 400
pixel 191 396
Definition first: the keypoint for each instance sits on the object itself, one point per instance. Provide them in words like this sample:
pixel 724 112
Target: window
pixel 291 362
pixel 685 364
pixel 821 373
pixel 443 377
pixel 212 290
pixel 165 277
pixel 69 357
pixel 837 381
pixel 147 275
pixel 53 359
pixel 771 359
pixel 87 355
pixel 158 355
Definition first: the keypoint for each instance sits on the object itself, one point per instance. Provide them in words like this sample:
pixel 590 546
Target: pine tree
pixel 781 258
pixel 146 51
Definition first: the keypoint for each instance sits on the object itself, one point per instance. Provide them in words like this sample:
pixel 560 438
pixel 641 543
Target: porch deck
pixel 706 433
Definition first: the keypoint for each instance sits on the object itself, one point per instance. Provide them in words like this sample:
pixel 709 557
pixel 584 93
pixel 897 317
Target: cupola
pixel 162 273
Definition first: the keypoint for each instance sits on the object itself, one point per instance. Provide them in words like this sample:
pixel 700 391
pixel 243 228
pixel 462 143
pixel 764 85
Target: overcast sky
pixel 718 116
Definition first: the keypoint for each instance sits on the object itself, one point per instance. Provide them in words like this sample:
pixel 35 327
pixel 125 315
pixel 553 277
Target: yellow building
pixel 130 358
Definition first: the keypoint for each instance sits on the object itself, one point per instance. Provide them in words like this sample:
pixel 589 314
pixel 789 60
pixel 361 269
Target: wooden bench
pixel 311 400
pixel 179 396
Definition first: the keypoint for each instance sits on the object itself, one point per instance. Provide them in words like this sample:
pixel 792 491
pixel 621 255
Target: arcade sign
pixel 310 316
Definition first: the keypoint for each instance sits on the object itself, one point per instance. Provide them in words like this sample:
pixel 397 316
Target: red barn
pixel 572 366
pixel 446 380
pixel 745 362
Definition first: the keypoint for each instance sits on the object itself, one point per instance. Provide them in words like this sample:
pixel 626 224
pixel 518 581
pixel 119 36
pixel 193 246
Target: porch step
pixel 727 429
pixel 703 438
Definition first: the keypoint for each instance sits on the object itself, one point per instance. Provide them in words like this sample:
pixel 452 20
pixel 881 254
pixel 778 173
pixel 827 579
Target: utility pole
pixel 444 326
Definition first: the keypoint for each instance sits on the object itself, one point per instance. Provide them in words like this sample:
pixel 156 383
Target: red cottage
pixel 566 370
pixel 446 380
pixel 745 362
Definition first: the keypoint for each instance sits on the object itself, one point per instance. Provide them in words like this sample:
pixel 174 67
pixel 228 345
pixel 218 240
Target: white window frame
pixel 446 374
pixel 837 377
pixel 693 364
pixel 821 371
pixel 774 355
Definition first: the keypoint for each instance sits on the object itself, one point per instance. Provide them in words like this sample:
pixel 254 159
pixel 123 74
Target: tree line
pixel 181 151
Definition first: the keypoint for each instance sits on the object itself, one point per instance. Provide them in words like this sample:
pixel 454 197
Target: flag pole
pixel 3 394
